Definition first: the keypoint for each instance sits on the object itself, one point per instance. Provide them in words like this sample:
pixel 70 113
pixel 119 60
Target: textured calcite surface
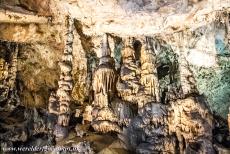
pixel 115 76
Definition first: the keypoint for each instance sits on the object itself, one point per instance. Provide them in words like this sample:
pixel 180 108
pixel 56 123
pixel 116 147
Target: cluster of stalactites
pixel 59 103
pixel 103 86
pixel 101 114
pixel 149 77
pixel 104 78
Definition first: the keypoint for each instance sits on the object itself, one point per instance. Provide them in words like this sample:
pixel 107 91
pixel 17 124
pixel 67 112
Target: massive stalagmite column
pixel 104 81
pixel 65 84
pixel 59 103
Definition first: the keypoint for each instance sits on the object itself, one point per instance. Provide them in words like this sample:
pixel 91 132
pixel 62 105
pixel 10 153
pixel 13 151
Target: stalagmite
pixel 64 94
pixel 105 75
pixel 59 103
pixel 87 115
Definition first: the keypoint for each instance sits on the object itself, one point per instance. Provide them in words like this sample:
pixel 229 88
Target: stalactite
pixel 105 75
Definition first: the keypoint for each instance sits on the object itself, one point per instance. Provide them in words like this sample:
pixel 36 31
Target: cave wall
pixel 212 67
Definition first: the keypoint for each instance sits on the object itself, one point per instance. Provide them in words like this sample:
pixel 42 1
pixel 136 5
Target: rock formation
pixel 149 77
pixel 8 76
pixel 59 103
pixel 104 79
pixel 128 84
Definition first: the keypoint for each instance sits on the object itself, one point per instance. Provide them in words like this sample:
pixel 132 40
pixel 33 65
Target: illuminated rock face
pixel 151 74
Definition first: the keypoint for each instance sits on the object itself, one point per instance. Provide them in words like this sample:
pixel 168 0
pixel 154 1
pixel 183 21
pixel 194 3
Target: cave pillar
pixel 65 84
pixel 59 102
pixel 104 82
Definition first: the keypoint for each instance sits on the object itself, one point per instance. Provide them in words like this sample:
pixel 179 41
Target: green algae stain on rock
pixel 214 83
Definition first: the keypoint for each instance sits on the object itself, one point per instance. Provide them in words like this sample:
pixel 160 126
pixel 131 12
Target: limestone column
pixel 59 103
pixel 104 83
